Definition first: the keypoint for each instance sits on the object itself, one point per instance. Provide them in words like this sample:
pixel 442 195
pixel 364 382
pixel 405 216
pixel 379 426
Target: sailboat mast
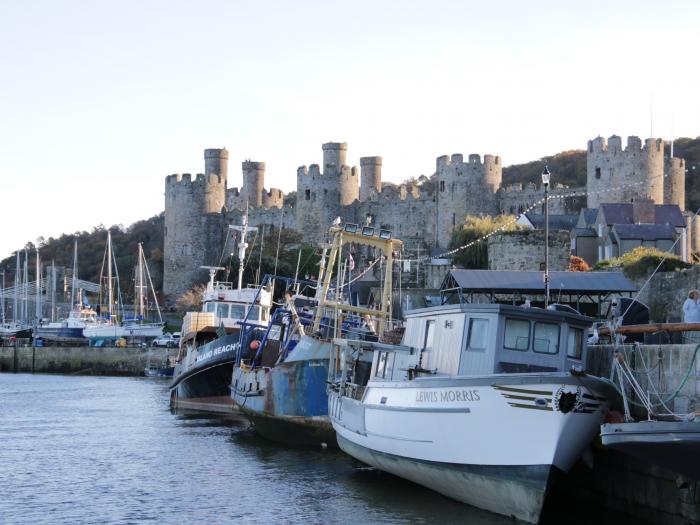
pixel 75 274
pixel 25 288
pixel 15 300
pixel 110 291
pixel 2 296
pixel 37 305
pixel 142 312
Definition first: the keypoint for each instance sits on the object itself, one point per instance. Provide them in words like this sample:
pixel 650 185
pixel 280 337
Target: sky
pixel 99 101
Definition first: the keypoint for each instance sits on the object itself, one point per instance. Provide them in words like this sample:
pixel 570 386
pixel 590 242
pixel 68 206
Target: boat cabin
pixel 479 339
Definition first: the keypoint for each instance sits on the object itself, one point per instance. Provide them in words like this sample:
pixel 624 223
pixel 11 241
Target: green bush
pixel 643 260
pixel 476 257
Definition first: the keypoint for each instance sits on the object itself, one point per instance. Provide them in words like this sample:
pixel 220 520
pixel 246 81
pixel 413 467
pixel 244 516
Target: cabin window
pixel 254 313
pixel 211 307
pixel 221 310
pixel 517 335
pixel 546 338
pixel 575 344
pixel 477 334
pixel 429 335
pixel 237 311
pixel 381 364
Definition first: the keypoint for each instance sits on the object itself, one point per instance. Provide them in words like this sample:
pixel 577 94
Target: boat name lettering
pixel 216 351
pixel 431 396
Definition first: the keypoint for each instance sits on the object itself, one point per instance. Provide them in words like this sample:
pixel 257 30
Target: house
pixel 617 228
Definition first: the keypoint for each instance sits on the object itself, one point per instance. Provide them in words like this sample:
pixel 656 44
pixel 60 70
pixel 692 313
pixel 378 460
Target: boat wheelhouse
pixel 480 402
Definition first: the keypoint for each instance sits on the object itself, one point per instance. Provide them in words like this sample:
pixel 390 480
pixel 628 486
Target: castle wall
pixel 465 188
pixel 523 250
pixel 638 169
pixel 515 199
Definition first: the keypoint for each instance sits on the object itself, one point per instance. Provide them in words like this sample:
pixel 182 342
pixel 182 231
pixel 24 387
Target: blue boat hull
pixel 61 334
pixel 288 402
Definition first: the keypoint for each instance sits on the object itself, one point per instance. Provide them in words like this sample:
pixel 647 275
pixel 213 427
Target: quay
pixel 80 360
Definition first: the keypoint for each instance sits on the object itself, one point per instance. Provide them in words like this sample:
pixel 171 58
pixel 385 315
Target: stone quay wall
pixel 108 361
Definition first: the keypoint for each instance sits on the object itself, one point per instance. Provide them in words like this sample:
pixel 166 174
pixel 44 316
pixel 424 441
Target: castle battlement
pixel 473 159
pixel 613 145
pixel 252 165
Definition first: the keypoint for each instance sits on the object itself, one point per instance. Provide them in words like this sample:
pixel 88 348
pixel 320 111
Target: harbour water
pixel 108 450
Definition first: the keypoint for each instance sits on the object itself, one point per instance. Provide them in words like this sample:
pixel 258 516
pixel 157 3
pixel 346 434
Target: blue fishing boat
pixel 280 379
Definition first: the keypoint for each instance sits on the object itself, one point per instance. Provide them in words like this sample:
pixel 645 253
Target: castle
pixel 198 210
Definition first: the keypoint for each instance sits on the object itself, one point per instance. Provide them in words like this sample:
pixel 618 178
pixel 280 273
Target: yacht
pixel 483 403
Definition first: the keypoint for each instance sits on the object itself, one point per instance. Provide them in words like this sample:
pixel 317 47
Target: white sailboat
pixel 139 326
pixel 108 327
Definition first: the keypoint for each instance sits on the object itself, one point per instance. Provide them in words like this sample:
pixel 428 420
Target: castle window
pixel 307 194
pixel 453 219
pixel 442 185
pixel 597 173
pixel 611 172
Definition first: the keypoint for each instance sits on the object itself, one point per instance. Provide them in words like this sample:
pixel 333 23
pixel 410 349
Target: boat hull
pixel 62 334
pixel 288 402
pixel 674 445
pixel 203 384
pixel 489 441
pixel 517 491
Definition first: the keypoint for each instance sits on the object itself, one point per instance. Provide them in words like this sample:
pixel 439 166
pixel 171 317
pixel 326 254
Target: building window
pixel 307 194
pixel 546 338
pixel 442 185
pixel 517 335
pixel 597 173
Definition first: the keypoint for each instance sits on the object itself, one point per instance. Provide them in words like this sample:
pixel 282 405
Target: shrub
pixel 476 256
pixel 643 260
pixel 577 264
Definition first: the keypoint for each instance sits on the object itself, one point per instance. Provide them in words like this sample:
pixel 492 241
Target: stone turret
pixel 253 183
pixel 625 175
pixel 674 182
pixel 216 162
pixel 334 157
pixel 371 178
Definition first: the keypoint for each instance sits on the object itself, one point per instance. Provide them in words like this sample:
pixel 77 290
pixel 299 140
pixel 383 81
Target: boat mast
pixel 2 296
pixel 53 290
pixel 242 245
pixel 37 305
pixel 110 291
pixel 15 300
pixel 75 272
pixel 25 288
pixel 150 282
pixel 139 285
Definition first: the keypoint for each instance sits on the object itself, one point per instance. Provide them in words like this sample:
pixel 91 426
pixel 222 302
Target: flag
pixel 351 262
pixel 221 331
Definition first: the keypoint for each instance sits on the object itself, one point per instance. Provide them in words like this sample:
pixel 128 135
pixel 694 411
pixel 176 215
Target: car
pixel 165 340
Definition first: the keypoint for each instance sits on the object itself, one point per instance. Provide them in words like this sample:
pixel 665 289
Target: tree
pixel 474 228
pixel 577 264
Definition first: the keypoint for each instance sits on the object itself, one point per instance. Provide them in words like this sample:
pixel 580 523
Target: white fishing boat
pixel 482 403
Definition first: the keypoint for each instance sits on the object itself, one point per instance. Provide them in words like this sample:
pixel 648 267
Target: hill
pixel 567 167
pixel 91 246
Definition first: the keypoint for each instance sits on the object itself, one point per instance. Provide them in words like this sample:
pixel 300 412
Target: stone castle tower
pixel 323 196
pixel 193 221
pixel 465 188
pixel 636 173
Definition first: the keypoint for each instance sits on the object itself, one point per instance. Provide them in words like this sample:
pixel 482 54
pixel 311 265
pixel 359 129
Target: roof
pixel 585 232
pixel 556 222
pixel 669 214
pixel 589 215
pixel 618 213
pixel 514 281
pixel 645 232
